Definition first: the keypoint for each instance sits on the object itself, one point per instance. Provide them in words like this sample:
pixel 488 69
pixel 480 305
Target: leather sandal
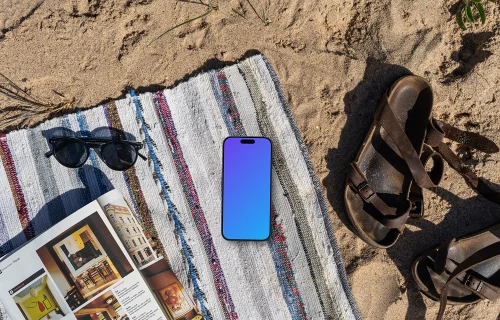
pixel 439 130
pixel 461 271
pixel 383 184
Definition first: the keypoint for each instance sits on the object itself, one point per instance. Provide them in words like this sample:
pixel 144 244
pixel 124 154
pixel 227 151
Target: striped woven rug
pixel 297 274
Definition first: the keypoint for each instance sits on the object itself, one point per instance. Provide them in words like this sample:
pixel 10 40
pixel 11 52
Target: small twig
pixel 59 94
pixel 210 9
pixel 240 14
pixel 261 16
pixel 253 8
pixel 195 2
pixel 17 91
pixel 242 9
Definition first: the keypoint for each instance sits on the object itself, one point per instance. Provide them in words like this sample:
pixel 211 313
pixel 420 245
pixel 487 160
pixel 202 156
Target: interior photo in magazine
pixel 175 300
pixel 40 299
pixel 105 307
pixel 84 260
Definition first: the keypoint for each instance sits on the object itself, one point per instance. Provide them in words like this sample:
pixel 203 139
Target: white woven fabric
pixel 297 274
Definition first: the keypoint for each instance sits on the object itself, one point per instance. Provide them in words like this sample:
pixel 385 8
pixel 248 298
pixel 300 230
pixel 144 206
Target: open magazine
pixel 98 263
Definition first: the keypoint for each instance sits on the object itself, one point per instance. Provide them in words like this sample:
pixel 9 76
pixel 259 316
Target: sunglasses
pixel 72 152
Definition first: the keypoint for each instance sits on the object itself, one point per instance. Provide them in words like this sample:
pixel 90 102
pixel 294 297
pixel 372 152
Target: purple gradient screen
pixel 246 204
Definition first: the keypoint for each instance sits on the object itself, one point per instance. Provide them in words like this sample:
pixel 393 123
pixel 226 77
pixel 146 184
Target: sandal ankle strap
pixel 439 130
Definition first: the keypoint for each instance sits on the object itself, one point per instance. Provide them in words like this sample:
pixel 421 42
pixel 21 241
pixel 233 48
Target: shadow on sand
pixel 464 216
pixel 359 106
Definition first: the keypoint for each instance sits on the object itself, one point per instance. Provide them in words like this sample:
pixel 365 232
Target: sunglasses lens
pixel 70 152
pixel 119 155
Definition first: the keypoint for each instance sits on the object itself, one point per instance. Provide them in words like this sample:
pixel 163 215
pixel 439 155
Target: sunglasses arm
pixel 143 157
pixel 48 154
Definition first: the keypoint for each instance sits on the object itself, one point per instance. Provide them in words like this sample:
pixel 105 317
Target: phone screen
pixel 246 188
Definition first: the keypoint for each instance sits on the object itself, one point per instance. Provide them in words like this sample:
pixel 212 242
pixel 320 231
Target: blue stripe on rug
pixel 84 128
pixel 172 211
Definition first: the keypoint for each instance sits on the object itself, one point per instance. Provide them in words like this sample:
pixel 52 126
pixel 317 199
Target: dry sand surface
pixel 335 58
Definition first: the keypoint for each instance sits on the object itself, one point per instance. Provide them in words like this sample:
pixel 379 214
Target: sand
pixel 335 58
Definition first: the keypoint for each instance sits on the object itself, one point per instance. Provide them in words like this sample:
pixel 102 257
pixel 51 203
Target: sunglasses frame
pixel 95 143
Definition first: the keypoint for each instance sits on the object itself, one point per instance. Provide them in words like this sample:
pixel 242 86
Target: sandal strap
pixel 388 120
pixel 442 257
pixel 479 287
pixel 387 217
pixel 439 130
pixel 436 173
pixel 470 139
pixel 476 285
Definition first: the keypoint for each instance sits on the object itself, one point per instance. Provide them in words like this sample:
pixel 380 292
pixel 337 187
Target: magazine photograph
pixel 138 242
pixel 105 307
pixel 170 292
pixel 85 259
pixel 40 299
pixel 81 269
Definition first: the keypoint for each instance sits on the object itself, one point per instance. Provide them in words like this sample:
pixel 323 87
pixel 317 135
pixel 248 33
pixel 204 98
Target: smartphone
pixel 246 188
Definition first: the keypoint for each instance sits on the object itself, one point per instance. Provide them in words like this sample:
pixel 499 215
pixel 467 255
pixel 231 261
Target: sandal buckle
pixel 416 208
pixel 479 286
pixel 365 191
pixel 467 280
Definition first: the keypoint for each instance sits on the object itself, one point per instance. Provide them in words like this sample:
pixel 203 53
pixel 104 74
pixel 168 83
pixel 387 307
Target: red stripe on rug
pixel 15 187
pixel 194 205
pixel 277 241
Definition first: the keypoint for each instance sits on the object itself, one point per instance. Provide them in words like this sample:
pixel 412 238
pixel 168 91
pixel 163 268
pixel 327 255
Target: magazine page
pixel 148 255
pixel 78 269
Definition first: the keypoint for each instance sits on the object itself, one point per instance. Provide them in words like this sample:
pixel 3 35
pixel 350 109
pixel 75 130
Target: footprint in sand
pixel 375 287
pixel 14 13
